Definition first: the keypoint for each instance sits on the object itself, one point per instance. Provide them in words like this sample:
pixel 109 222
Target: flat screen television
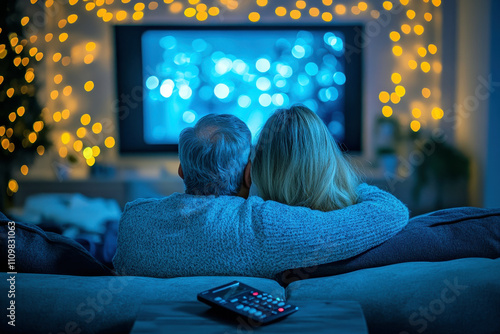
pixel 168 77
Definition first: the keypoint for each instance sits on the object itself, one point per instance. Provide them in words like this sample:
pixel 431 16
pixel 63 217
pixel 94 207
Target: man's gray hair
pixel 214 154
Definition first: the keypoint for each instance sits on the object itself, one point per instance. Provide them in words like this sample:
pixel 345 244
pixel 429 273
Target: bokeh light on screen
pixel 250 74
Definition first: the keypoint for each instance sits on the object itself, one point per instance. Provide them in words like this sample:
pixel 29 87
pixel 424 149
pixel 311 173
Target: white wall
pixel 473 97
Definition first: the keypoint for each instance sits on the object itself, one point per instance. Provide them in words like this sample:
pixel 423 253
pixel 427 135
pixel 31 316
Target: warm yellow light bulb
pixel 400 91
pixel 97 128
pixel 426 92
pixel 138 16
pixel 384 97
pixel 387 111
pixel 419 29
pixel 121 15
pixel 425 66
pixel 387 5
pixel 189 12
pixel 109 142
pixel 437 113
pixel 422 52
pixel 340 9
pixel 139 6
pixel 314 12
pixel 295 14
pixel 87 153
pixel 201 16
pixel 415 126
pixel 300 4
pixel 254 16
pixel 280 11
pixel 81 132
pixel 85 119
pixel 24 170
pixel 58 78
pixel 13 186
pixel 326 16
pixel 57 116
pixel 78 145
pixel 213 11
pixel 396 78
pixel 397 50
pixel 416 112
pixel 362 6
pixel 65 138
pixel 89 85
pixel 395 98
pixel 394 36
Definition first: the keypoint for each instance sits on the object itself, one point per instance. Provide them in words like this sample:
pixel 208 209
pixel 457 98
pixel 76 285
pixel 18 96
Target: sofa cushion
pixel 458 296
pixel 37 251
pixel 438 236
pixel 109 304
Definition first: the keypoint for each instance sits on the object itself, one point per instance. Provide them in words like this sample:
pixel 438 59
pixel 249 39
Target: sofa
pixel 459 295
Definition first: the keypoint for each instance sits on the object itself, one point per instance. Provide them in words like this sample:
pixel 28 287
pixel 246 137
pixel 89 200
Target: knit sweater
pixel 189 235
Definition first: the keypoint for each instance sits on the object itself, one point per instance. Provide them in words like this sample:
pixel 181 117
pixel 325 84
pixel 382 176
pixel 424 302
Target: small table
pixel 195 317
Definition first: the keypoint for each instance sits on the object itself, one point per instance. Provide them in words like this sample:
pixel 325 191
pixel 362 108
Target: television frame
pixel 130 87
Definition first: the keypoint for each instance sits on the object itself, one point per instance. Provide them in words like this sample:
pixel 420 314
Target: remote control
pixel 243 300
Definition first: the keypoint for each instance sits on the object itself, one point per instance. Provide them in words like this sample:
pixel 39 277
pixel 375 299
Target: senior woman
pixel 297 162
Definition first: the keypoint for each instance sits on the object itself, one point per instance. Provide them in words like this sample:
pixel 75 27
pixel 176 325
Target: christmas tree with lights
pixel 23 134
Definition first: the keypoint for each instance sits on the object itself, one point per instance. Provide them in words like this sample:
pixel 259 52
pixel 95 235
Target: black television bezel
pixel 129 84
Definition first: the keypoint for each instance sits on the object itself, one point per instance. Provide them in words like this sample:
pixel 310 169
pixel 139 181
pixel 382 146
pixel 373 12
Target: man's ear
pixel 180 172
pixel 247 177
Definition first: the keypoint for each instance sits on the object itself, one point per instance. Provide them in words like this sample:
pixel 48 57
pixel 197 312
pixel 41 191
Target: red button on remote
pixel 255 293
pixel 281 309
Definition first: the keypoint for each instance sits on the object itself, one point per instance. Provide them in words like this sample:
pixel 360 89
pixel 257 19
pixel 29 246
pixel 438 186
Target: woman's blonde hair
pixel 297 162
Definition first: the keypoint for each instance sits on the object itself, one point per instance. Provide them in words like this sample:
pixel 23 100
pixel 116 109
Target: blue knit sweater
pixel 188 235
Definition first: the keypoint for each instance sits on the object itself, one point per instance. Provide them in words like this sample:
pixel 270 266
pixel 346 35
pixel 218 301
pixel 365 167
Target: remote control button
pixel 281 309
pixel 239 307
pixel 234 300
pixel 259 296
pixel 263 316
pixel 246 308
pixel 264 294
pixel 255 293
pixel 275 302
pixel 278 299
pixel 274 312
pixel 287 306
pixel 258 313
pixel 281 304
pixel 252 310
pixel 217 299
pixel 269 306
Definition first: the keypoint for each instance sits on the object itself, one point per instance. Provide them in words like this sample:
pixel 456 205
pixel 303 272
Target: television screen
pixel 185 73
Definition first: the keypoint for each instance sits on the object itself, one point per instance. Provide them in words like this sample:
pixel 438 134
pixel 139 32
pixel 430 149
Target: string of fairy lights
pixel 419 57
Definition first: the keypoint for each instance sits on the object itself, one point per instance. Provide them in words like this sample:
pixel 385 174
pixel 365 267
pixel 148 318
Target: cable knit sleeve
pixel 292 237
